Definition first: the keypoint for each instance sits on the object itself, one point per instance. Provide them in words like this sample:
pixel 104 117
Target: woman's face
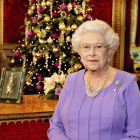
pixel 94 51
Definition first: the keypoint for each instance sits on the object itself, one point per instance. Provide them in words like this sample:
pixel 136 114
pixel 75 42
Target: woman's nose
pixel 92 51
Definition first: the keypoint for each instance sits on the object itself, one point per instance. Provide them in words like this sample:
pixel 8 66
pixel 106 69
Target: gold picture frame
pixel 12 81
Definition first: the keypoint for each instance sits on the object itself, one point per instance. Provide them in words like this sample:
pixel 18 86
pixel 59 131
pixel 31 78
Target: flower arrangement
pixel 53 85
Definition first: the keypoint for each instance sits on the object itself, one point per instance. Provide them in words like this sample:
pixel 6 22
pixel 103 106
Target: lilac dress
pixel 108 116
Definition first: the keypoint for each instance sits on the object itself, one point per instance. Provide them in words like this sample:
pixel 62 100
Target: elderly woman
pixel 99 102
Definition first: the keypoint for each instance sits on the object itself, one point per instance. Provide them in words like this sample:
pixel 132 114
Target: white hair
pixel 111 38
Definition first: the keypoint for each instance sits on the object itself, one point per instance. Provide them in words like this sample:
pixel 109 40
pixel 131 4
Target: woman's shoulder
pixel 76 74
pixel 126 76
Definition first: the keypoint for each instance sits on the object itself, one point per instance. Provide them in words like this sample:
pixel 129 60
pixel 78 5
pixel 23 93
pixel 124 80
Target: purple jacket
pixel 108 116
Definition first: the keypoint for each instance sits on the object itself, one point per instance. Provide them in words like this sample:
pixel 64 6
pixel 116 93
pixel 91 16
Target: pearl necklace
pixel 98 90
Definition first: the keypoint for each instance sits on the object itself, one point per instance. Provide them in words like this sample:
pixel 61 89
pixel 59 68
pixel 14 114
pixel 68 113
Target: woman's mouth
pixel 93 60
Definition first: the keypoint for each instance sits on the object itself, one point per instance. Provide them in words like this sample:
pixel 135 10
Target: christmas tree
pixel 46 47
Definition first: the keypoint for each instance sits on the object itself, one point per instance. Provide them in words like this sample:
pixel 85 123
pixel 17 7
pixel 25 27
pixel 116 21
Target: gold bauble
pixel 89 9
pixel 55 50
pixel 76 67
pixel 33 7
pixel 42 41
pixel 80 18
pixel 36 30
pixel 30 12
pixel 69 7
pixel 47 18
pixel 71 62
pixel 64 55
pixel 74 26
pixel 62 26
pixel 48 28
pixel 68 39
pixel 43 4
pixel 48 3
pixel 28 22
pixel 79 66
pixel 39 34
pixel 50 40
pixel 70 70
pixel 12 60
pixel 86 0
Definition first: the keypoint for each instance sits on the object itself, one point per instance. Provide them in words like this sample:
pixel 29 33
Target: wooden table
pixel 32 107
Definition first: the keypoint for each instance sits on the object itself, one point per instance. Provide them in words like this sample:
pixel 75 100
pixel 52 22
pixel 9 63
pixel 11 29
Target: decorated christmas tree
pixel 46 47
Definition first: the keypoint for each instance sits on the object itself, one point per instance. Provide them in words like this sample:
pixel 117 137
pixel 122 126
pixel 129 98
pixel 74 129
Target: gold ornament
pixel 62 26
pixel 43 4
pixel 68 30
pixel 86 0
pixel 79 66
pixel 42 41
pixel 39 34
pixel 76 67
pixel 80 18
pixel 28 22
pixel 30 12
pixel 71 62
pixel 12 60
pixel 50 40
pixel 64 55
pixel 74 26
pixel 68 39
pixel 69 7
pixel 36 30
pixel 55 50
pixel 43 33
pixel 89 9
pixel 48 3
pixel 70 70
pixel 47 18
pixel 78 9
pixel 38 55
pixel 48 28
pixel 33 7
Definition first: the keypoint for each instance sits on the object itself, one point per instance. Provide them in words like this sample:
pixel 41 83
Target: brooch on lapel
pixel 117 83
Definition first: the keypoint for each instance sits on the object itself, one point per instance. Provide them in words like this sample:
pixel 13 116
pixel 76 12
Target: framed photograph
pixel 12 81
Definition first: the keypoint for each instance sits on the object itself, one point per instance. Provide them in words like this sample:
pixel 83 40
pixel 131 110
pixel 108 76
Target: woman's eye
pixel 86 47
pixel 99 47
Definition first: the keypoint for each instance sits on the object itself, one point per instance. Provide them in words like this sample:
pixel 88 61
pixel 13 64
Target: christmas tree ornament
pixel 80 18
pixel 89 9
pixel 74 4
pixel 86 0
pixel 43 4
pixel 48 28
pixel 33 7
pixel 56 64
pixel 74 27
pixel 40 10
pixel 68 39
pixel 39 87
pixel 24 60
pixel 83 8
pixel 34 60
pixel 60 62
pixel 62 26
pixel 36 30
pixel 28 22
pixel 55 35
pixel 17 54
pixel 30 12
pixel 38 55
pixel 63 7
pixel 47 18
pixel 68 30
pixel 42 41
pixel 54 14
pixel 55 50
pixel 71 62
pixel 39 34
pixel 76 67
pixel 61 37
pixel 30 33
pixel 48 3
pixel 89 17
pixel 46 60
pixel 50 40
pixel 35 20
pixel 70 70
pixel 43 33
pixel 78 9
pixel 69 7
pixel 32 2
pixel 12 60
pixel 39 78
pixel 11 64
